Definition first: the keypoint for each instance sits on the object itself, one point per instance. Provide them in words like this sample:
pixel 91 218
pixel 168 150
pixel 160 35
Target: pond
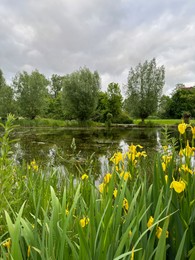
pixel 79 146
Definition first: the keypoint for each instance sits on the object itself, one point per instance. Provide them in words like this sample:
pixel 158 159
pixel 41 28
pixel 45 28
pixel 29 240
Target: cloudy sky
pixel 110 36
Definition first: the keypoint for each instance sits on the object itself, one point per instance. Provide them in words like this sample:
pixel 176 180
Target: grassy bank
pixel 140 209
pixel 162 122
pixel 45 122
pixel 48 122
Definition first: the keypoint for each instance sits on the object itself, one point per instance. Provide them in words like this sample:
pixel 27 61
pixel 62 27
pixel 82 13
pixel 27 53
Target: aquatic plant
pixel 127 215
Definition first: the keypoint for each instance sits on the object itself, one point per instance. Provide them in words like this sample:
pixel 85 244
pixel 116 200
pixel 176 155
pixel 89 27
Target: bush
pixel 123 118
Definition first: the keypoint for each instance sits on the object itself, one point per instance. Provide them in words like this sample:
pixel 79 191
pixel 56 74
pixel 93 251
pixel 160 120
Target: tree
pixel 54 100
pixel 182 101
pixel 56 84
pixel 144 88
pixel 164 105
pixel 114 99
pixel 6 97
pixel 102 107
pixel 31 93
pixel 80 94
pixel 2 79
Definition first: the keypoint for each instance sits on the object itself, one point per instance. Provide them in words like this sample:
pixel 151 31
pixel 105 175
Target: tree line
pixel 79 96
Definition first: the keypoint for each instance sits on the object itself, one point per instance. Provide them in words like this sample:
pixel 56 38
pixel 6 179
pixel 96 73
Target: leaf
pixel 181 246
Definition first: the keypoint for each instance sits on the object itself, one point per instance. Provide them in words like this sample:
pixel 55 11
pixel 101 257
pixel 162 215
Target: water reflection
pixel 53 146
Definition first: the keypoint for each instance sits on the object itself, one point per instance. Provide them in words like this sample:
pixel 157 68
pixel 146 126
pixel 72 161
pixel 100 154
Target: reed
pixel 52 214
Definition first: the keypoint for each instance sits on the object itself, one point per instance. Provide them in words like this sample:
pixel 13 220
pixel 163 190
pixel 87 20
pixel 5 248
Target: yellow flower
pixel 84 176
pixel 107 178
pixel 188 151
pixel 7 244
pixel 67 212
pixel 164 166
pixel 33 165
pixel 182 128
pixel 132 148
pixel 84 222
pixel 116 158
pixel 166 178
pixel 165 148
pixel 193 132
pixel 185 168
pixel 178 186
pixel 101 187
pixel 125 175
pixel 167 158
pixel 125 204
pixel 132 153
pixel 140 154
pixel 150 222
pixel 28 251
pixel 115 192
pixel 159 232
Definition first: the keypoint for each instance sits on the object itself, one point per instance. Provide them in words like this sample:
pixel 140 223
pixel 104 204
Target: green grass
pixel 160 122
pixel 47 122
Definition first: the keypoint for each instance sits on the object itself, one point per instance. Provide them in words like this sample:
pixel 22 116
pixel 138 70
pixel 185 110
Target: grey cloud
pixel 107 36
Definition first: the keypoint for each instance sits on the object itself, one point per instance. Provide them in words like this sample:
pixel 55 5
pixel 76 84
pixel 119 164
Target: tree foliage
pixel 31 93
pixel 144 88
pixel 56 84
pixel 54 99
pixel 2 80
pixel 114 99
pixel 164 104
pixel 182 101
pixel 102 107
pixel 6 97
pixel 80 94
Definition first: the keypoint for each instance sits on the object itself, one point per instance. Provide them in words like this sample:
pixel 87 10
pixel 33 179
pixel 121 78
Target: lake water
pixel 78 146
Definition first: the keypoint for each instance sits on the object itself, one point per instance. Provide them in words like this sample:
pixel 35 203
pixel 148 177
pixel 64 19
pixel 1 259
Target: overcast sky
pixel 110 36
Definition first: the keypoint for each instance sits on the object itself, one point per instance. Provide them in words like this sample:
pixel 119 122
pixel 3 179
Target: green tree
pixel 6 97
pixel 115 99
pixel 144 88
pixel 2 79
pixel 56 84
pixel 54 100
pixel 182 101
pixel 164 105
pixel 31 93
pixel 102 107
pixel 80 94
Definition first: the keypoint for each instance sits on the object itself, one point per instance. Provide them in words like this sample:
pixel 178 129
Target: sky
pixel 110 36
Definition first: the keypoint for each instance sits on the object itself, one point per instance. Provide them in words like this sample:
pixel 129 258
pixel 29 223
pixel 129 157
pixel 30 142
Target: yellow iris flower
pixel 193 132
pixel 159 232
pixel 178 186
pixel 84 176
pixel 101 187
pixel 150 222
pixel 182 128
pixel 7 244
pixel 125 204
pixel 84 222
pixel 107 177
